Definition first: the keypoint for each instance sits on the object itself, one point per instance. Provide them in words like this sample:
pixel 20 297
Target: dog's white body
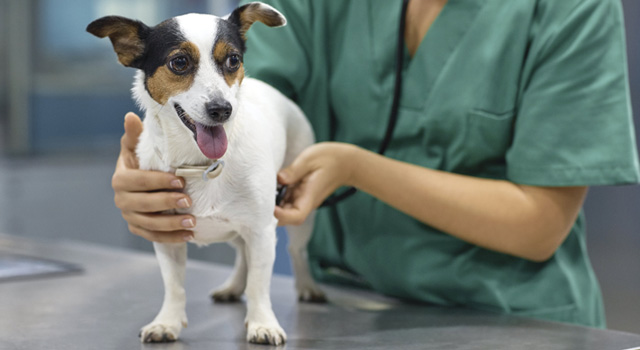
pixel 265 132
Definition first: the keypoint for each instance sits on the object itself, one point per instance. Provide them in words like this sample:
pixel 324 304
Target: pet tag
pixel 206 172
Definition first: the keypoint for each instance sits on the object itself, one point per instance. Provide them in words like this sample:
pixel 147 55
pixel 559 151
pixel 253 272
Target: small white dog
pixel 204 118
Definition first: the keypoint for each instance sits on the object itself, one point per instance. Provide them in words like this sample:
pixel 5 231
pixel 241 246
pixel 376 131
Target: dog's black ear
pixel 245 16
pixel 126 35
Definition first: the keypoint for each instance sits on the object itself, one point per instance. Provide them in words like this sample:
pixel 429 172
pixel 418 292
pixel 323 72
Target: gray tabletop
pixel 119 291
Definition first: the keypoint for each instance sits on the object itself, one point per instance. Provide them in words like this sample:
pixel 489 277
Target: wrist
pixel 350 163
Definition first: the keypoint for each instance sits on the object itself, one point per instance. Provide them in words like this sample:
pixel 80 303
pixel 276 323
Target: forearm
pixel 528 222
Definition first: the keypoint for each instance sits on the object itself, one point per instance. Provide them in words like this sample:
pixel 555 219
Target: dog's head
pixel 191 64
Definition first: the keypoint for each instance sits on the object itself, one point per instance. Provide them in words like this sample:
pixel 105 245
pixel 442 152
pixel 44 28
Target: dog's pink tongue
pixel 212 140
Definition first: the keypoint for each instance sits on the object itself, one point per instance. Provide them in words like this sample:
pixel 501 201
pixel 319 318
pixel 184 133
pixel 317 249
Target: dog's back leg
pixel 233 288
pixel 300 136
pixel 172 316
pixel 299 237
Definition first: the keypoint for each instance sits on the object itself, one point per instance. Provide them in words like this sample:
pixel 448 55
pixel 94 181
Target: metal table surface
pixel 119 291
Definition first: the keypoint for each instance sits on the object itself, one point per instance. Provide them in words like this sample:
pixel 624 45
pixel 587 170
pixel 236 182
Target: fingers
pixel 129 141
pixel 292 174
pixel 140 210
pixel 150 202
pixel 134 180
pixel 296 207
pixel 290 216
pixel 161 228
pixel 307 187
pixel 132 131
pixel 295 171
pixel 159 222
pixel 179 236
pixel 141 194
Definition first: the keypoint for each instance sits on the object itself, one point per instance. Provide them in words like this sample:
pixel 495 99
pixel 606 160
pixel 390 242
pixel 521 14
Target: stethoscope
pixel 393 115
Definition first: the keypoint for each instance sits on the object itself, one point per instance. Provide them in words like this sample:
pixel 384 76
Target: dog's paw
pixel 311 295
pixel 160 332
pixel 226 295
pixel 265 334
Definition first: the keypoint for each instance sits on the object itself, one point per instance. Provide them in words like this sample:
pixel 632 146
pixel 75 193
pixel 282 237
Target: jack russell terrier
pixel 228 135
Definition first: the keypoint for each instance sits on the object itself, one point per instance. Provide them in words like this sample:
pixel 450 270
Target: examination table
pixel 103 306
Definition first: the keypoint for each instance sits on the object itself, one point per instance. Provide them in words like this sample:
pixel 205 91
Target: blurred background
pixel 63 97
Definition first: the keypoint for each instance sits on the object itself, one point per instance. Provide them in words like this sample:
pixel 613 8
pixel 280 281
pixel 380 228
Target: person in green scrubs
pixel 509 111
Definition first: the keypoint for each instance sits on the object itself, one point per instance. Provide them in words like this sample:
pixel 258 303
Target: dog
pixel 228 135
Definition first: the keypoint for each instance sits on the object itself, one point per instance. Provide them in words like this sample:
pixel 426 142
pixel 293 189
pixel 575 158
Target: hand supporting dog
pixel 142 194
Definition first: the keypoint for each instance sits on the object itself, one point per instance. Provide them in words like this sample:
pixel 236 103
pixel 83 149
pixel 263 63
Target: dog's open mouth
pixel 212 140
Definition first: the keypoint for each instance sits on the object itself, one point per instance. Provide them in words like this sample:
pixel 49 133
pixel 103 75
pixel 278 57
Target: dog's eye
pixel 233 62
pixel 179 65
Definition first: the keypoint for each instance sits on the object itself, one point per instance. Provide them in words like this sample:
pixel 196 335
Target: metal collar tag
pixel 206 172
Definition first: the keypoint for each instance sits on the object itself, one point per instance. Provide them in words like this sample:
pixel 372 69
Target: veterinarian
pixel 508 112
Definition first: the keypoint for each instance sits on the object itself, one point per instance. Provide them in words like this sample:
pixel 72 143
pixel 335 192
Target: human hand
pixel 315 174
pixel 141 194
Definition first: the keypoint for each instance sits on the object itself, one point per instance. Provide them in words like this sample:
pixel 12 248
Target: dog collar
pixel 206 172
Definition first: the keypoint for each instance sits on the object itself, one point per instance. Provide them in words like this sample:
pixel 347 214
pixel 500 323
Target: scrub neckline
pixel 421 72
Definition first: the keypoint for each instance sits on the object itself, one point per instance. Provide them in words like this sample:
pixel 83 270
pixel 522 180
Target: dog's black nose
pixel 219 111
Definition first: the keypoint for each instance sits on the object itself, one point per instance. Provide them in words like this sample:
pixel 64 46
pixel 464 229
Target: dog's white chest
pixel 216 210
pixel 214 229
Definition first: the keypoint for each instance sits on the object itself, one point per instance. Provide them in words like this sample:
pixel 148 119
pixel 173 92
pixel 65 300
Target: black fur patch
pixel 160 41
pixel 234 18
pixel 230 32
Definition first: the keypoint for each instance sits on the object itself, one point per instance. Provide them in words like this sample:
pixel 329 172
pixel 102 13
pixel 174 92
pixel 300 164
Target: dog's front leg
pixel 262 325
pixel 172 316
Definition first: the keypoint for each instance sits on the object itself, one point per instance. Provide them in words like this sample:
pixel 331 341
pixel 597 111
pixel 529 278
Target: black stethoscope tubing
pixel 395 105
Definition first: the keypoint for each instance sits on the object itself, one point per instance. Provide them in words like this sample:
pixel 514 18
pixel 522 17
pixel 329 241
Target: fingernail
pixel 188 223
pixel 187 238
pixel 176 183
pixel 283 176
pixel 183 203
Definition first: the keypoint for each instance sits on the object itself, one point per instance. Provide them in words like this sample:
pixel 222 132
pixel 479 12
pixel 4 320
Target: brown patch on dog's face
pixel 176 75
pixel 232 78
pixel 229 59
pixel 221 50
pixel 237 78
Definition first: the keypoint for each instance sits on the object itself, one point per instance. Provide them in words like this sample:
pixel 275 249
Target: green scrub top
pixel 533 92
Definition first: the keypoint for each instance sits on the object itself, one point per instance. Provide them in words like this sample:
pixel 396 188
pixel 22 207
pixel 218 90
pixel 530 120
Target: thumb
pixel 132 130
pixel 294 172
pixel 286 176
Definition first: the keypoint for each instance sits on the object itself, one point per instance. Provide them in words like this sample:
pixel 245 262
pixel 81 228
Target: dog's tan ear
pixel 126 35
pixel 245 16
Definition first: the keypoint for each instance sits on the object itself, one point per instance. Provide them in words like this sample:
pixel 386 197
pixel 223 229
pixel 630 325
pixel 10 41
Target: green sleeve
pixel 574 124
pixel 279 56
